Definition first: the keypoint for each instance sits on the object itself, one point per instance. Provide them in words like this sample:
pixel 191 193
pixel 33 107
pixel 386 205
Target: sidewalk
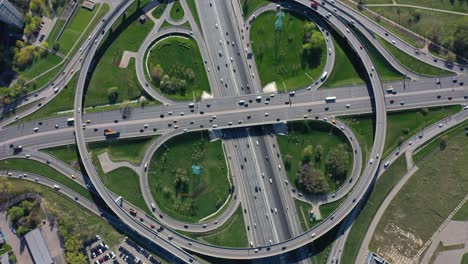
pixel 18 245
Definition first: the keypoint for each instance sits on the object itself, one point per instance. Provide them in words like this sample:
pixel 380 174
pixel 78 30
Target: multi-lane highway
pixel 271 225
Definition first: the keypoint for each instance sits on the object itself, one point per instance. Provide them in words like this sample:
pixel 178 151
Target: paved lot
pixel 18 245
pixel 50 234
pixel 455 233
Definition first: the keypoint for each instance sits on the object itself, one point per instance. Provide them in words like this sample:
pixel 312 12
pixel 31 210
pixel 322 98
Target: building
pixel 89 5
pixel 10 15
pixel 37 247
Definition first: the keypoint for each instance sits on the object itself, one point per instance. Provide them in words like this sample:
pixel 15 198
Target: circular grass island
pixel 292 57
pixel 177 190
pixel 175 67
pixel 318 157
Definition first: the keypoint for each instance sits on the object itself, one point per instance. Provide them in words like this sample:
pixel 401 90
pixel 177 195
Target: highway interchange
pixel 240 143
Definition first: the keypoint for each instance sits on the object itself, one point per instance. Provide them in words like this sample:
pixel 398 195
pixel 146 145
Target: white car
pixel 441 125
pixel 216 25
pixel 393 42
pixel 267 114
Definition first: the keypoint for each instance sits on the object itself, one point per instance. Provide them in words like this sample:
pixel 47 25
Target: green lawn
pixel 390 27
pixel 465 259
pixel 40 66
pixel 125 182
pixel 127 34
pixel 80 20
pixel 347 65
pixel 363 128
pixel 303 211
pixel 304 133
pixel 382 66
pixel 412 63
pixel 383 186
pixel 159 10
pixel 51 39
pixel 249 6
pixel 458 6
pixel 86 223
pixel 46 78
pixel 462 214
pixel 177 12
pixel 132 150
pixel 423 23
pixel 427 198
pixel 199 196
pixel 278 53
pixel 231 234
pixel 42 169
pixel 412 121
pixel 328 208
pixel 194 12
pixel 59 103
pixel 174 53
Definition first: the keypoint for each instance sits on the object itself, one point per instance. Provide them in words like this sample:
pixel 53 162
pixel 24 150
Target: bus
pixel 71 121
pixel 330 99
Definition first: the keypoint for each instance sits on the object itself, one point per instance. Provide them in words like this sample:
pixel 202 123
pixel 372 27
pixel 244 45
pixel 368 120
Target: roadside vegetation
pixel 317 157
pixel 292 57
pixel 231 234
pixel 422 204
pixel 56 105
pixel 411 63
pixel 177 69
pixel 159 10
pixel 25 216
pixel 194 12
pixel 380 190
pixel 348 68
pixel 405 124
pixel 177 12
pixel 127 35
pixel 382 66
pixel 249 6
pixel 177 190
pixel 75 222
pixel 32 166
pixel 445 30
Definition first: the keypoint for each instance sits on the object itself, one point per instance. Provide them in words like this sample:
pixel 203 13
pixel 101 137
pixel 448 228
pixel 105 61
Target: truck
pixel 133 212
pixel 330 99
pixel 110 133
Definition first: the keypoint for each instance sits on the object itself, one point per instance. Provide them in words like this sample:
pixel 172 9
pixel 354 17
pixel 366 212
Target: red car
pixel 450 98
pixel 314 5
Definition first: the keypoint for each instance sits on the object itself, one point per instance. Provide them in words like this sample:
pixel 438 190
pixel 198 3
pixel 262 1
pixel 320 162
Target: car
pixel 372 68
pixel 267 114
pixel 393 42
pixel 402 102
pixel 348 105
pixel 306 116
pixel 441 125
pixel 146 125
pixel 371 161
pixel 35 129
pixel 450 98
pixel 73 176
pixel 392 101
pixel 56 126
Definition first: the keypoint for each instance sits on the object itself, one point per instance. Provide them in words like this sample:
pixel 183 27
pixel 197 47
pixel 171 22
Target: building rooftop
pixel 37 247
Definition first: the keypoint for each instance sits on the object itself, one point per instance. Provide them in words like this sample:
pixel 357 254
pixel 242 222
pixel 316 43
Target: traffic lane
pixel 256 204
pixel 233 103
pixel 277 208
pixel 23 132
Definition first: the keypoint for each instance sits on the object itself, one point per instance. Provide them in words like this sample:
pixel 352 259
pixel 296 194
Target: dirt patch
pixel 399 245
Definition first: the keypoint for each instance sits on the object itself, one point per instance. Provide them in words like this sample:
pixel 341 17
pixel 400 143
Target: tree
pixel 311 180
pixel 15 213
pixel 307 153
pixel 157 73
pixel 443 142
pixel 287 161
pixel 460 43
pixel 318 153
pixel 337 162
pixel 113 94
